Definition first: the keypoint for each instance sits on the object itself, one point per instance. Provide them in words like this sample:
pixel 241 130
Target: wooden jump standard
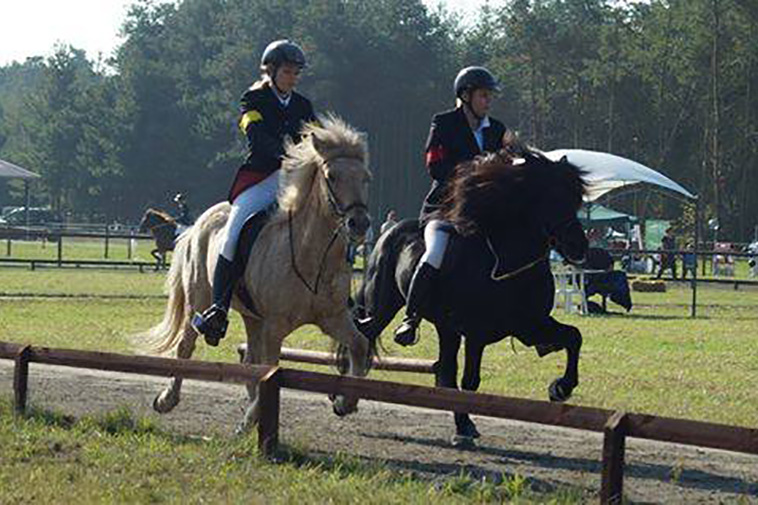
pixel 616 426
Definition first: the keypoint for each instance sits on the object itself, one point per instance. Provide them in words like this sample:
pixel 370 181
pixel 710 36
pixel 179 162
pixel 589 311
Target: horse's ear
pixel 319 145
pixel 564 159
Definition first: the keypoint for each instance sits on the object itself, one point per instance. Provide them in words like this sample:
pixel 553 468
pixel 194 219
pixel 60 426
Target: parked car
pixel 38 216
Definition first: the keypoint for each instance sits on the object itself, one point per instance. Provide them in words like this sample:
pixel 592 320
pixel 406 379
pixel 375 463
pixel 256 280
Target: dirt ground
pixel 414 440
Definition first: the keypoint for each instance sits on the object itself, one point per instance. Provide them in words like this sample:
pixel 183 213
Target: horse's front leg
pixel 167 399
pixel 342 329
pixel 556 334
pixel 155 253
pixel 464 427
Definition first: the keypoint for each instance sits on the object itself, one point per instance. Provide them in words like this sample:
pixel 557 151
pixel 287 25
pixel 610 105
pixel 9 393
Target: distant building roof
pixel 10 170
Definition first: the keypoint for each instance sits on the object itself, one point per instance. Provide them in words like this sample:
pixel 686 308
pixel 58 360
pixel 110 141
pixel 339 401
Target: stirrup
pixel 212 324
pixel 407 333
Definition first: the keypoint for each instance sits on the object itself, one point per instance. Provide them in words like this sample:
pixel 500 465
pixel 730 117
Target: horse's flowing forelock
pixel 497 190
pixel 335 139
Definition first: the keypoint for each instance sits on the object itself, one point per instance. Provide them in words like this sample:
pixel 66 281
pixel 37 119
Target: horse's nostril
pixel 351 222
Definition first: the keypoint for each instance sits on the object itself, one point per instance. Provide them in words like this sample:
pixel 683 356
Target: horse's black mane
pixel 496 190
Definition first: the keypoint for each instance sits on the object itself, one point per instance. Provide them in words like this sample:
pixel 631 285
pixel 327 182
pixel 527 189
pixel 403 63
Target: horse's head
pixel 520 191
pixel 341 154
pixel 153 218
pixel 562 197
pixel 147 221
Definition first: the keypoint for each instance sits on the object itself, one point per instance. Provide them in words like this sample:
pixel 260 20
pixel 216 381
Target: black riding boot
pixel 212 323
pixel 418 292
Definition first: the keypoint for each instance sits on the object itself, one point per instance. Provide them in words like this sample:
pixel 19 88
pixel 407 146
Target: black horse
pixel 495 280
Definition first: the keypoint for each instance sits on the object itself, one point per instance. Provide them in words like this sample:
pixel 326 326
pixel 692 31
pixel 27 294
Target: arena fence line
pixel 615 426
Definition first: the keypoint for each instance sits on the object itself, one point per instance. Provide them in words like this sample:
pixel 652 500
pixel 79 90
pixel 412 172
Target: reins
pixel 300 276
pixel 514 273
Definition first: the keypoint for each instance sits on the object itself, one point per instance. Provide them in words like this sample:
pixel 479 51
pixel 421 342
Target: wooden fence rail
pixel 616 426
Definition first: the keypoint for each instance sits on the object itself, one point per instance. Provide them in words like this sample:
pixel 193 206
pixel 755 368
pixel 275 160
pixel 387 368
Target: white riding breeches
pixel 435 239
pixel 253 199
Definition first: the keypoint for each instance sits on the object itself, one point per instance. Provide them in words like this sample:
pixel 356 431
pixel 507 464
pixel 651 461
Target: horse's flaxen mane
pixel 497 189
pixel 333 138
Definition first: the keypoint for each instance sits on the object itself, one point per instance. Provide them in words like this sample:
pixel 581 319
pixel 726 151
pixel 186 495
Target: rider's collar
pixel 283 100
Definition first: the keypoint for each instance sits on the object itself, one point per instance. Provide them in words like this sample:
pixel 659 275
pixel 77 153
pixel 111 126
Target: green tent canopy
pixel 597 215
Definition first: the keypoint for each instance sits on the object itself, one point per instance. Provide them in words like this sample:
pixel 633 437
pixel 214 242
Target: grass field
pixel 113 458
pixel 655 360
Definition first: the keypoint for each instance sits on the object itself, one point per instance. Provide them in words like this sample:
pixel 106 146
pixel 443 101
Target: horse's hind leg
pixel 169 397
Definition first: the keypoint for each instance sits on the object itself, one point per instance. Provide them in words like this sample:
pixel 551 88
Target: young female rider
pixel 270 111
pixel 456 136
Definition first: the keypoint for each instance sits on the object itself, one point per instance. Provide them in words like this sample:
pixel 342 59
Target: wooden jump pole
pixel 326 358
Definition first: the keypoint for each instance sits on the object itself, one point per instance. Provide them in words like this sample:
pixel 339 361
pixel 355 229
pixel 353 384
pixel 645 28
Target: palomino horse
pixel 297 272
pixel 163 229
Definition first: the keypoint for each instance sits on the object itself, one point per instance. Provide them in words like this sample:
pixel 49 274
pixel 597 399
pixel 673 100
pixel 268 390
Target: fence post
pixel 8 253
pixel 60 251
pixel 106 240
pixel 268 424
pixel 21 379
pixel 614 442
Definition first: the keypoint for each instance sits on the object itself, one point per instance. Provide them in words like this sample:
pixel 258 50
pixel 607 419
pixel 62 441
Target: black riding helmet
pixel 471 78
pixel 282 51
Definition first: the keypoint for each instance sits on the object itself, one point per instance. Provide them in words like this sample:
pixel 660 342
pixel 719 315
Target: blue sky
pixel 33 27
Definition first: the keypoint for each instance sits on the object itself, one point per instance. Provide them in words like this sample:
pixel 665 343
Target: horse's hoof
pixel 559 391
pixel 241 350
pixel 463 442
pixel 163 405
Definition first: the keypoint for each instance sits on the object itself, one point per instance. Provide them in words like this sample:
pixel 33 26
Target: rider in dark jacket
pixel 270 112
pixel 456 136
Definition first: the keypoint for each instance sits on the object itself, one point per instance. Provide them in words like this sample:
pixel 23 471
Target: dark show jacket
pixel 451 141
pixel 266 122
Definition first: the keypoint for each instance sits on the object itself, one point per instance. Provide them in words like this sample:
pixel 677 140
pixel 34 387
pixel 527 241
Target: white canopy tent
pixel 607 172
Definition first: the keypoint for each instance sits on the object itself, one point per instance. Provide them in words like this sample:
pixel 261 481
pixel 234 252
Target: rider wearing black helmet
pixel 270 112
pixel 456 136
pixel 183 215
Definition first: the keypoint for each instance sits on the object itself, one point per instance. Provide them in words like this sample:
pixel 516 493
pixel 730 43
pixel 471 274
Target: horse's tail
pixel 166 335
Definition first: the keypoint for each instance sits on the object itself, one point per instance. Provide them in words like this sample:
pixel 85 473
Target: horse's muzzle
pixel 357 226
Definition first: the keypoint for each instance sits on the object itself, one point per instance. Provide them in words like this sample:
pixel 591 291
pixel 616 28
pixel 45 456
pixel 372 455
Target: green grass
pixel 655 360
pixel 114 458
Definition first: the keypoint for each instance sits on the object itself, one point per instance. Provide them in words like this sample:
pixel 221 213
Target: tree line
pixel 671 84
